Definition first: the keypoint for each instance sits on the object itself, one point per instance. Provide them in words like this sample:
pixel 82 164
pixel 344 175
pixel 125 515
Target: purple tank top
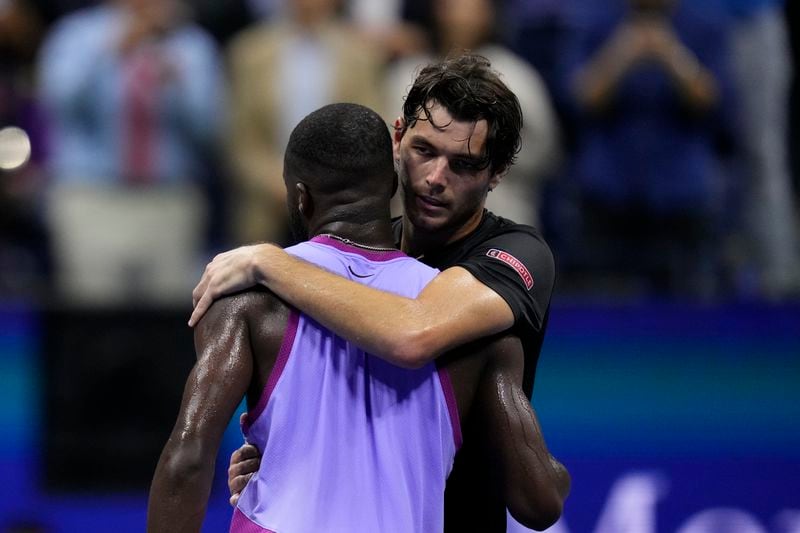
pixel 350 443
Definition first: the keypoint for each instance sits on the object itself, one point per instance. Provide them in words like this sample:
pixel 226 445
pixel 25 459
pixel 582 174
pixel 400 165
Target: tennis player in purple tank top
pixel 369 443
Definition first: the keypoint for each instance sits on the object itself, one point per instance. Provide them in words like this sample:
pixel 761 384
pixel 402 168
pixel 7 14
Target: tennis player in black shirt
pixel 459 134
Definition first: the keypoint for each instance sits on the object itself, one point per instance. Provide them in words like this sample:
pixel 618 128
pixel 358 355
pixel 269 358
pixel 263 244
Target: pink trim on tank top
pixel 367 254
pixel 240 523
pixel 452 406
pixel 277 369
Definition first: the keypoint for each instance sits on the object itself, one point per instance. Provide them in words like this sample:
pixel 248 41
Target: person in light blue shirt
pixel 83 68
pixel 134 95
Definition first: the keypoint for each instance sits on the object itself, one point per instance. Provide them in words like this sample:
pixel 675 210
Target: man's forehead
pixel 442 127
pixel 442 119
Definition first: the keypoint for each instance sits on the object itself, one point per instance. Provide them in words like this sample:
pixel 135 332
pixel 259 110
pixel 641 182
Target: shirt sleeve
pixel 518 265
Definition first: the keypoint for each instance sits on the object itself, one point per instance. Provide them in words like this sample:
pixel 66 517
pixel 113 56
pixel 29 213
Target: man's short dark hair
pixel 470 90
pixel 338 144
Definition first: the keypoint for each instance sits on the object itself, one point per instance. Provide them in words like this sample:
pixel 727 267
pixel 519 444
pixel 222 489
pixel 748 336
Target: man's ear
pixel 397 136
pixel 305 204
pixel 495 180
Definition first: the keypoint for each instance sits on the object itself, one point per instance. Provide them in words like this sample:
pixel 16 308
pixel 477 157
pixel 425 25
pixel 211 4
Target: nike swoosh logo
pixel 358 275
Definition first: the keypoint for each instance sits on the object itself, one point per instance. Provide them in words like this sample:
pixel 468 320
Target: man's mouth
pixel 430 202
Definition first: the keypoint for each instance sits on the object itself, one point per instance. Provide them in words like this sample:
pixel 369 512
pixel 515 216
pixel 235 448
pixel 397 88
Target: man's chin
pixel 428 223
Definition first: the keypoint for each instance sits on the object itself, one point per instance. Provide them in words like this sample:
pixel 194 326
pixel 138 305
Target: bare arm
pixel 453 309
pixel 182 481
pixel 534 483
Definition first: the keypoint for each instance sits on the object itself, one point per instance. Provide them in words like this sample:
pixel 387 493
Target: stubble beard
pixel 442 229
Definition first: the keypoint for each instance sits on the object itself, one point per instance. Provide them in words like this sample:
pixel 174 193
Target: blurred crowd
pixel 138 137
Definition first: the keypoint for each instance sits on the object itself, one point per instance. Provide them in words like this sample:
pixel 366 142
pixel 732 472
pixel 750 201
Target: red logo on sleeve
pixel 514 263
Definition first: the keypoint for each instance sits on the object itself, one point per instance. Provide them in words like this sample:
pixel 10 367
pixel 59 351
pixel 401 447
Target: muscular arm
pixel 453 309
pixel 533 482
pixel 182 481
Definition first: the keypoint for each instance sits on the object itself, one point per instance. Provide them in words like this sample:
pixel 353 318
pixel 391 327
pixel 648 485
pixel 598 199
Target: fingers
pixel 206 279
pixel 225 274
pixel 244 460
pixel 236 486
pixel 244 463
pixel 200 289
pixel 200 309
pixel 203 295
pixel 248 451
pixel 243 469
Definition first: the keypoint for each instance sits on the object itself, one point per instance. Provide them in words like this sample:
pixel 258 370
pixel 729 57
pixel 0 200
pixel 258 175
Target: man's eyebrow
pixel 419 139
pixel 472 159
pixel 465 157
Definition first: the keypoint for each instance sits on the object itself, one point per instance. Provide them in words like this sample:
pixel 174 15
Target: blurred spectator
pixel 652 104
pixel 387 24
pixel 281 70
pixel 761 64
pixel 134 91
pixel 24 260
pixel 470 25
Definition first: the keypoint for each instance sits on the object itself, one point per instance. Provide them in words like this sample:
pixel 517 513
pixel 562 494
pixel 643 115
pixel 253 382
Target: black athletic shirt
pixel 514 261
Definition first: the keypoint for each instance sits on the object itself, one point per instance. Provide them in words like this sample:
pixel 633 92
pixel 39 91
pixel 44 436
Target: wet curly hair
pixel 470 90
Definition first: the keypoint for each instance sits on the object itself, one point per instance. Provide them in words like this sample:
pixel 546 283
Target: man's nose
pixel 438 173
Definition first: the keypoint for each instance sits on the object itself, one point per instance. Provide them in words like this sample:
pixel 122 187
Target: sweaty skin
pixel 444 193
pixel 444 197
pixel 225 371
pixel 237 343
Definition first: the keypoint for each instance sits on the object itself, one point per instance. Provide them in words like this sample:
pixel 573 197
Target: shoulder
pixel 511 237
pixel 514 261
pixel 414 274
pixel 248 307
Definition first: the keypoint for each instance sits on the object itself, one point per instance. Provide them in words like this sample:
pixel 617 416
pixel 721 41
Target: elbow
pixel 185 465
pixel 537 513
pixel 413 349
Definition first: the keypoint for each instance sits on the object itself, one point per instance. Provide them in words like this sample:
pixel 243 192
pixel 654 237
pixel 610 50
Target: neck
pixel 377 234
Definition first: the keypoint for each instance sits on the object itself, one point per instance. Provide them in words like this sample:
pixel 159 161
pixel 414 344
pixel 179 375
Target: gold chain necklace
pixel 356 244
